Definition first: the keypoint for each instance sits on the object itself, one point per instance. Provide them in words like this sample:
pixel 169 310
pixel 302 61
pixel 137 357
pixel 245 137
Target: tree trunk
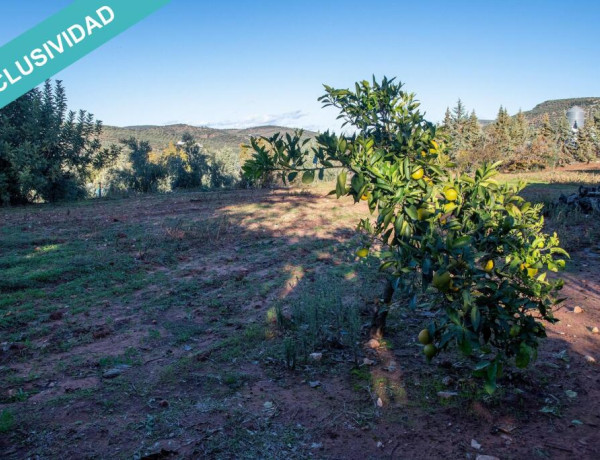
pixel 381 312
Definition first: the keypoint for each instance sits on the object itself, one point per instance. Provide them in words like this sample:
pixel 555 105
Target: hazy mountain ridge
pixel 556 108
pixel 212 139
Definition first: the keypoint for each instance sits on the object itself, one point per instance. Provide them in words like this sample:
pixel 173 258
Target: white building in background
pixel 576 117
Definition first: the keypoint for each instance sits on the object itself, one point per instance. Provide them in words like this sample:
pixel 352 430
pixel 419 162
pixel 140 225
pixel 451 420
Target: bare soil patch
pixel 146 328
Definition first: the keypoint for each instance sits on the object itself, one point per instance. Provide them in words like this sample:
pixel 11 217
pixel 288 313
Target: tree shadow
pixel 223 273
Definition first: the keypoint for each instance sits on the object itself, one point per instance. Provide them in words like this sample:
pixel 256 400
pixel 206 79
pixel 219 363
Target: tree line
pixel 517 142
pixel 182 166
pixel 49 153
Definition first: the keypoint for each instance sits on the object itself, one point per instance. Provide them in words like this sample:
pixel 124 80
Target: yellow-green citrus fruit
pixel 365 197
pixel 423 213
pixel 362 252
pixel 449 207
pixel 441 281
pixel 489 266
pixel 429 350
pixel 424 337
pixel 451 194
pixel 418 174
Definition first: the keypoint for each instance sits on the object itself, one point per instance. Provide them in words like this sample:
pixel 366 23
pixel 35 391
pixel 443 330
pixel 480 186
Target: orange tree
pixel 463 243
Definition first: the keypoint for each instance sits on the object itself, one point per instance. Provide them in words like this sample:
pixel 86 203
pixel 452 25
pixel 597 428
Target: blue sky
pixel 243 63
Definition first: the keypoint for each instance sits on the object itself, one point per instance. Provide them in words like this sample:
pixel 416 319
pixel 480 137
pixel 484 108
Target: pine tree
pixel 594 134
pixel 447 119
pixel 500 139
pixel 472 131
pixel 459 113
pixel 519 131
pixel 543 145
pixel 586 145
pixel 565 141
pixel 595 118
pixel 456 122
pixel 547 131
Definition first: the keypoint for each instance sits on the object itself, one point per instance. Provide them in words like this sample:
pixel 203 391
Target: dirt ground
pixel 146 328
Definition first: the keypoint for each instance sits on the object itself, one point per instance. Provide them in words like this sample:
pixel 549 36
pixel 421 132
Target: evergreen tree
pixel 47 152
pixel 447 119
pixel 459 113
pixel 595 118
pixel 189 167
pixel 565 141
pixel 472 130
pixel 594 135
pixel 456 122
pixel 500 139
pixel 519 131
pixel 544 146
pixel 547 131
pixel 586 145
pixel 144 175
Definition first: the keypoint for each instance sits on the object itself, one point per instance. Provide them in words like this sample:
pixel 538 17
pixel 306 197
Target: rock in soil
pixel 577 310
pixel 373 343
pixel 115 371
pixel 447 394
pixel 486 457
pixel 475 444
pixel 590 359
pixel 447 381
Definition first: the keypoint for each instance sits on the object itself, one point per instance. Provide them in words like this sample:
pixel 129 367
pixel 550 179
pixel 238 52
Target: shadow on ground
pixel 169 326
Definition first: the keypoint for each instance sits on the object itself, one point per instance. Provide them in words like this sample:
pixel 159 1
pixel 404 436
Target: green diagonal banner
pixel 66 37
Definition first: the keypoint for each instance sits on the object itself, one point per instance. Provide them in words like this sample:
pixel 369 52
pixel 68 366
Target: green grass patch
pixel 7 421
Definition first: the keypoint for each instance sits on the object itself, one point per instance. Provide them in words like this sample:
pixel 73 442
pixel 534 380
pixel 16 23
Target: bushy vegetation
pixel 461 242
pixel 521 144
pixel 50 154
pixel 46 152
pixel 181 166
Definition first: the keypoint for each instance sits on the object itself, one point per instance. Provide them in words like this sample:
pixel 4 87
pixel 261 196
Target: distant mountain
pixel 218 140
pixel 211 139
pixel 557 108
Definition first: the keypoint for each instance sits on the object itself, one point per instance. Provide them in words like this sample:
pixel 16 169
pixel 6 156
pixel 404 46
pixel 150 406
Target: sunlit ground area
pixel 233 325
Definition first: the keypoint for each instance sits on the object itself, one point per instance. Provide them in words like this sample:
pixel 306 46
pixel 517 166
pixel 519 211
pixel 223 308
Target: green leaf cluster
pixel 473 247
pixel 46 151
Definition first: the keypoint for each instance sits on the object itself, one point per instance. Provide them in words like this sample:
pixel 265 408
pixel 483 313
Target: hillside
pixel 221 140
pixel 213 140
pixel 556 108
